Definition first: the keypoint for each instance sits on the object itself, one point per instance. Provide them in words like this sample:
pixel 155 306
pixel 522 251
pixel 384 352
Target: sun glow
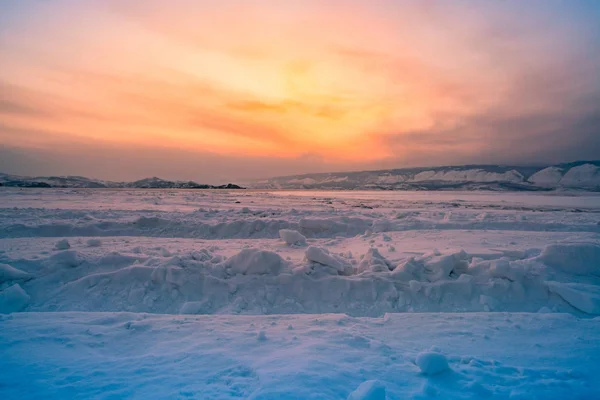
pixel 344 81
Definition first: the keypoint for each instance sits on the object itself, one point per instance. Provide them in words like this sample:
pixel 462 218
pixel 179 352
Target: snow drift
pixel 562 278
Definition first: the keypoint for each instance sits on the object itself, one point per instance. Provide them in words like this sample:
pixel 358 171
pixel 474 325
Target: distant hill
pixel 82 182
pixel 580 175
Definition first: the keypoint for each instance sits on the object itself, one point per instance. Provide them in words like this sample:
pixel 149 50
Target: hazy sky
pixel 220 90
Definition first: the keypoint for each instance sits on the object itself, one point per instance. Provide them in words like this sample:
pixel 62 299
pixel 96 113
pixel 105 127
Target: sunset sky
pixel 219 90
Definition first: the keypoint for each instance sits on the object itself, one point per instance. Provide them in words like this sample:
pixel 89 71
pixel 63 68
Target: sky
pixel 217 90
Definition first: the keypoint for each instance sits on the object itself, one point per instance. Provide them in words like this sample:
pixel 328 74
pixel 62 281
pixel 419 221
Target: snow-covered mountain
pixel 82 182
pixel 582 175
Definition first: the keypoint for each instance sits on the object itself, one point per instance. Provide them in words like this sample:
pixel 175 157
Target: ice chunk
pixel 62 244
pixel 439 267
pixel 433 267
pixel 13 299
pixel 374 261
pixel 503 268
pixel 94 242
pixel 581 296
pixel 68 258
pixel 369 390
pixel 321 256
pixel 574 258
pixel 165 252
pixel 255 262
pixel 202 255
pixel 292 237
pixel 9 273
pixel 408 270
pixel 432 363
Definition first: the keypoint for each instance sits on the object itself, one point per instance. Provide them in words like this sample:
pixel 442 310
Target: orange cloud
pixel 347 81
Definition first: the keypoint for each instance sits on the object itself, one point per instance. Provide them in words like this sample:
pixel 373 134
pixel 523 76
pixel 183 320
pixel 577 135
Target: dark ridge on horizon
pixel 503 167
pixel 74 181
pixel 583 175
pixel 579 175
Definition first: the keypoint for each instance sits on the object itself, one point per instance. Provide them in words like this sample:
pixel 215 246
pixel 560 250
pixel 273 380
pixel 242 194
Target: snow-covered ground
pixel 277 295
pixel 325 356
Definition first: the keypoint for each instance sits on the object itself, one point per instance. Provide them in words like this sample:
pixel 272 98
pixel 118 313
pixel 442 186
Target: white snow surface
pixel 9 274
pixel 369 390
pixel 469 175
pixel 182 293
pixel 550 177
pixel 325 356
pixel 582 176
pixel 576 176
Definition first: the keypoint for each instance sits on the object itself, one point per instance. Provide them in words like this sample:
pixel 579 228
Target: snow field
pixel 325 356
pixel 252 295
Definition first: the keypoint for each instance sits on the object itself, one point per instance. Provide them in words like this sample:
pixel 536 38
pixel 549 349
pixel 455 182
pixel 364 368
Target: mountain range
pixel 582 175
pixel 579 175
pixel 83 182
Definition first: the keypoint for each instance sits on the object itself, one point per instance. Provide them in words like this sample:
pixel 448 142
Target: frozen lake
pixel 545 199
pixel 298 294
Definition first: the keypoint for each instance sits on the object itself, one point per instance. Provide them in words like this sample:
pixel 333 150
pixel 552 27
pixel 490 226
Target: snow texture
pixel 469 175
pixel 586 175
pixel 8 274
pixel 550 176
pixel 359 261
pixel 369 390
pixel 198 294
pixel 325 356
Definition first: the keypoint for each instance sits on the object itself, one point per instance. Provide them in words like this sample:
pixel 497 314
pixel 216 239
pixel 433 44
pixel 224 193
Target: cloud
pixel 105 161
pixel 290 87
pixel 500 136
pixel 17 102
pixel 14 107
pixel 144 104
